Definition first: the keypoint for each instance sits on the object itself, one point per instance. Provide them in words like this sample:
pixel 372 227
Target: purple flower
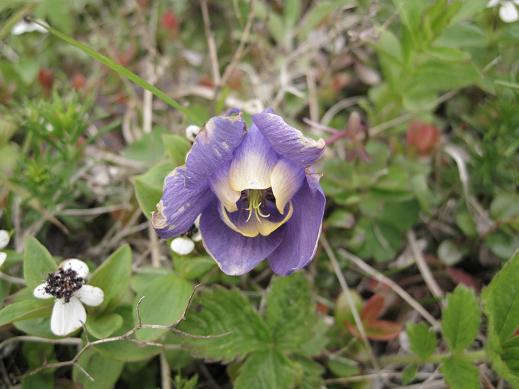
pixel 255 190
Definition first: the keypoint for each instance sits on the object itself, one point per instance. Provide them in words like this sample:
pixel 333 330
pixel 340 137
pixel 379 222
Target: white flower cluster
pixel 67 286
pixel 507 9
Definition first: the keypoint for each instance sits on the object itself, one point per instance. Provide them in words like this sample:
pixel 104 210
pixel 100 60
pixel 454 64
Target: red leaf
pixel 373 308
pixel 376 329
pixel 422 137
pixel 461 277
pixel 382 330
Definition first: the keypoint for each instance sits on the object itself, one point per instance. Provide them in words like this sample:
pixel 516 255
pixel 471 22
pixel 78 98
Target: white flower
pixel 3 257
pixel 24 26
pixel 507 9
pixel 4 239
pixel 182 245
pixel 67 286
pixel 191 132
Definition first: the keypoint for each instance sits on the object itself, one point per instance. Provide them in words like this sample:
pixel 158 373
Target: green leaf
pixel 422 340
pixel 460 373
pixel 192 268
pixel 124 72
pixel 290 311
pixel 176 147
pixel 113 276
pixel 408 374
pixel 148 187
pixel 235 327
pixel 105 371
pixel 126 350
pixel 37 263
pixel 266 370
pixel 165 301
pixel 104 326
pixel 30 308
pixel 460 319
pixel 149 149
pixel 343 367
pixel 501 300
pixel 501 305
pixel 317 13
pixel 312 373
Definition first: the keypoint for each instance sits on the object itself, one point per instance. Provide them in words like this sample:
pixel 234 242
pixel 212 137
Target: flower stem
pixel 474 356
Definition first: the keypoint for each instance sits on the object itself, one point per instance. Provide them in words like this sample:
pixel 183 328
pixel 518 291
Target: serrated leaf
pixel 267 369
pixel 165 301
pixel 25 310
pixel 105 371
pixel 37 263
pixel 421 339
pixel 290 311
pixel 460 373
pixel 312 373
pixel 235 327
pixel 104 326
pixel 113 276
pixel 408 374
pixel 460 319
pixel 501 305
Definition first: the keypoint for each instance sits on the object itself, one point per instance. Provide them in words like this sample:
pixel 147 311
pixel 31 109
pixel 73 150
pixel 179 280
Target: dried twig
pixel 213 56
pixel 362 265
pixel 349 298
pixel 421 263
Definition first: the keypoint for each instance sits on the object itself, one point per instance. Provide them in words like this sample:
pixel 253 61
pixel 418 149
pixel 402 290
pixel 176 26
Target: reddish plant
pixel 78 81
pixel 422 137
pixel 375 328
pixel 170 22
pixel 46 79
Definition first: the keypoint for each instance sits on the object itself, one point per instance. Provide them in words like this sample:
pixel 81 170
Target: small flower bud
pixel 182 245
pixel 4 239
pixel 191 132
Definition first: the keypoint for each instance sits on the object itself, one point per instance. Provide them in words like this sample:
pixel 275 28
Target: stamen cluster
pixel 63 283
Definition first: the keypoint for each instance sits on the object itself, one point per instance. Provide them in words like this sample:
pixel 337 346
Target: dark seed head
pixel 63 283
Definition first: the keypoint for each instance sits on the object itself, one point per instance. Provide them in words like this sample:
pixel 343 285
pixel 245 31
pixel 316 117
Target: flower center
pixel 257 199
pixel 63 283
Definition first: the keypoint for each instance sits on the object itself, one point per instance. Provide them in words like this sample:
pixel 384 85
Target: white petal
pixel 508 12
pixel 39 292
pixel 90 295
pixel 3 257
pixel 197 236
pixel 182 245
pixel 67 317
pixel 77 265
pixel 492 3
pixel 191 132
pixel 22 27
pixel 4 239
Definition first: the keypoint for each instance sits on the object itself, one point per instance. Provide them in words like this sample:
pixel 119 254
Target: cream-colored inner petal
pixel 255 226
pixel 221 186
pixel 285 184
pixel 251 172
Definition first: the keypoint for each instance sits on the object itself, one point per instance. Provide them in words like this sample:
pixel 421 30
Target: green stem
pixel 474 356
pixel 121 70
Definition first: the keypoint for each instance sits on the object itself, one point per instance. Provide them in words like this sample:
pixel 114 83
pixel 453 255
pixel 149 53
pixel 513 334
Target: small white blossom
pixel 4 239
pixel 191 132
pixel 67 286
pixel 182 245
pixel 24 26
pixel 3 257
pixel 507 9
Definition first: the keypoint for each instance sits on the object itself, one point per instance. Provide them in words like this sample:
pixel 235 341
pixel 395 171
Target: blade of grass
pixel 124 72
